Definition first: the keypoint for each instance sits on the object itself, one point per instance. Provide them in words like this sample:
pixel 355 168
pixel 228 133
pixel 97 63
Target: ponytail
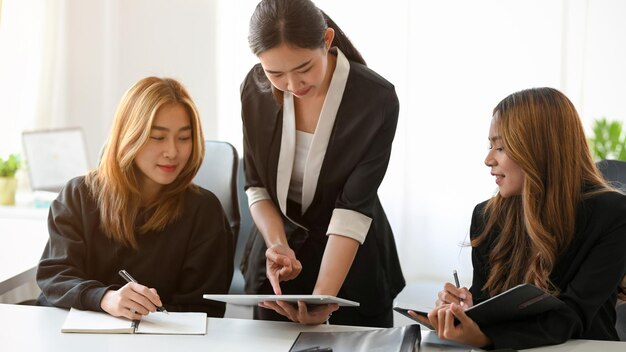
pixel 342 42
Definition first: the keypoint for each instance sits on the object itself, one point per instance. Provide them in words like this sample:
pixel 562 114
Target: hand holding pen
pixel 123 273
pixel 131 301
pixel 458 285
pixel 454 293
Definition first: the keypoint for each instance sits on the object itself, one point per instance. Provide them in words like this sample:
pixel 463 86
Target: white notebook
pixel 174 323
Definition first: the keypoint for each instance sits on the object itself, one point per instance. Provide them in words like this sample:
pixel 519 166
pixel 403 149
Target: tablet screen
pixel 253 300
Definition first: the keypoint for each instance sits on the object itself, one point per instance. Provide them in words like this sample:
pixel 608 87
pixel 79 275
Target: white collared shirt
pixel 303 145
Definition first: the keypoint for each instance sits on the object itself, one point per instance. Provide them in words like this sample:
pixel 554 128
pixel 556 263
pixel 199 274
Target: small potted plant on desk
pixel 8 182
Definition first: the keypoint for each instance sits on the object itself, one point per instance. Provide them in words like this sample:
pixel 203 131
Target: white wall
pixel 450 60
pixel 75 59
pixel 109 45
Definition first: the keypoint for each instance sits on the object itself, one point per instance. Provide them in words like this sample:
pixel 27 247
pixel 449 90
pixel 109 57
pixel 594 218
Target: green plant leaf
pixel 608 140
pixel 622 153
pixel 9 167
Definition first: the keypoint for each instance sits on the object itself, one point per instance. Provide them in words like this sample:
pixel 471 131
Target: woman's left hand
pixel 466 331
pixel 311 315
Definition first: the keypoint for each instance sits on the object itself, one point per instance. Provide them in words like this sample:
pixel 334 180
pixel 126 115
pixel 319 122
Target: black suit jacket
pixel 587 275
pixel 354 165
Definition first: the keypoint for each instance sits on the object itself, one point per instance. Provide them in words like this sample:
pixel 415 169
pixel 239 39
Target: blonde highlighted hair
pixel 115 182
pixel 542 133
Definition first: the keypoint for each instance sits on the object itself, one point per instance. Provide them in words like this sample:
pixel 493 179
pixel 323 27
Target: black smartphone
pixel 405 312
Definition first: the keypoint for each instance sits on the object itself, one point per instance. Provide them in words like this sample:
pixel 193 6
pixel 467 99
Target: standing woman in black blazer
pixel 318 127
pixel 554 223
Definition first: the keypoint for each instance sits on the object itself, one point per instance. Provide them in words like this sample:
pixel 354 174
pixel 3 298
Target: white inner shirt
pixel 303 144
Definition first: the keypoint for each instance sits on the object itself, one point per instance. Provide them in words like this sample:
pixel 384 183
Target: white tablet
pixel 253 300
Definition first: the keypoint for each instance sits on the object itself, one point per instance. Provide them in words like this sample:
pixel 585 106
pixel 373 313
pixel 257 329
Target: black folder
pixel 400 339
pixel 520 302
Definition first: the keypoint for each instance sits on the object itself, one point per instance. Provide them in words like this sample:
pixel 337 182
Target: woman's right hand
pixel 452 294
pixel 131 301
pixel 281 265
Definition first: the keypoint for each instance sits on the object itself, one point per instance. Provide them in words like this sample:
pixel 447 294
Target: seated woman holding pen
pixel 554 223
pixel 139 211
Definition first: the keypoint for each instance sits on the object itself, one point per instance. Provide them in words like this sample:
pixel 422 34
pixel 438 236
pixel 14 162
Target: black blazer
pixel 354 165
pixel 587 275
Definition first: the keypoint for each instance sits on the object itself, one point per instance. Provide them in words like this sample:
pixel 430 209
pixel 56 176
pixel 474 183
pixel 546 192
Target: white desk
pixel 23 235
pixel 27 328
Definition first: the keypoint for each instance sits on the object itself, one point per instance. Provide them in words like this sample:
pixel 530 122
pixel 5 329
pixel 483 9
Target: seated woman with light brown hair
pixel 554 223
pixel 140 211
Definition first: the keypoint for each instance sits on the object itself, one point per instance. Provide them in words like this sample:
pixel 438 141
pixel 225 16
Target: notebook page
pixel 185 323
pixel 86 321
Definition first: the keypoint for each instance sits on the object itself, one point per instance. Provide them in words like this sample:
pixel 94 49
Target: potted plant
pixel 608 140
pixel 8 182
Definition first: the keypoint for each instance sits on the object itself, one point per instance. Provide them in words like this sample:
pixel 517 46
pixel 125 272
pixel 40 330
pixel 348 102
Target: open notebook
pixel 174 323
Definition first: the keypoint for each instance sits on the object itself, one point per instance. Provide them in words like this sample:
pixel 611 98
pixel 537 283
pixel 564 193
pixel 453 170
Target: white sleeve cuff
pixel 349 223
pixel 256 194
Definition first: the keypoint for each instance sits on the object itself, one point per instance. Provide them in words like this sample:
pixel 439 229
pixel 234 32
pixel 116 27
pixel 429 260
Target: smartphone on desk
pixel 421 311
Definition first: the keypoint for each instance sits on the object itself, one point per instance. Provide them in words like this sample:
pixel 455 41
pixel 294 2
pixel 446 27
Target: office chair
pixel 614 171
pixel 222 173
pixel 218 174
pixel 238 284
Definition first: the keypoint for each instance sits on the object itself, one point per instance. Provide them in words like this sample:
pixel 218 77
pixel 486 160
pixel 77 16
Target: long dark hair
pixel 298 23
pixel 542 132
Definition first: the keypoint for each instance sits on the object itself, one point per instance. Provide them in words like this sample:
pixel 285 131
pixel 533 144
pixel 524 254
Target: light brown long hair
pixel 115 182
pixel 541 132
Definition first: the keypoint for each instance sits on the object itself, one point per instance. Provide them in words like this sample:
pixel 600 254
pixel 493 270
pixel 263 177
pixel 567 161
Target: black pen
pixel 456 282
pixel 123 273
pixel 316 349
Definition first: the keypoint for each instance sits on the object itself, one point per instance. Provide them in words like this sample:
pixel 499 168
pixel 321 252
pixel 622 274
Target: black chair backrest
pixel 218 174
pixel 614 171
pixel 238 284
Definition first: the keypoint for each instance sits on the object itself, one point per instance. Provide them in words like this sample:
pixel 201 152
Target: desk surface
pixel 27 328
